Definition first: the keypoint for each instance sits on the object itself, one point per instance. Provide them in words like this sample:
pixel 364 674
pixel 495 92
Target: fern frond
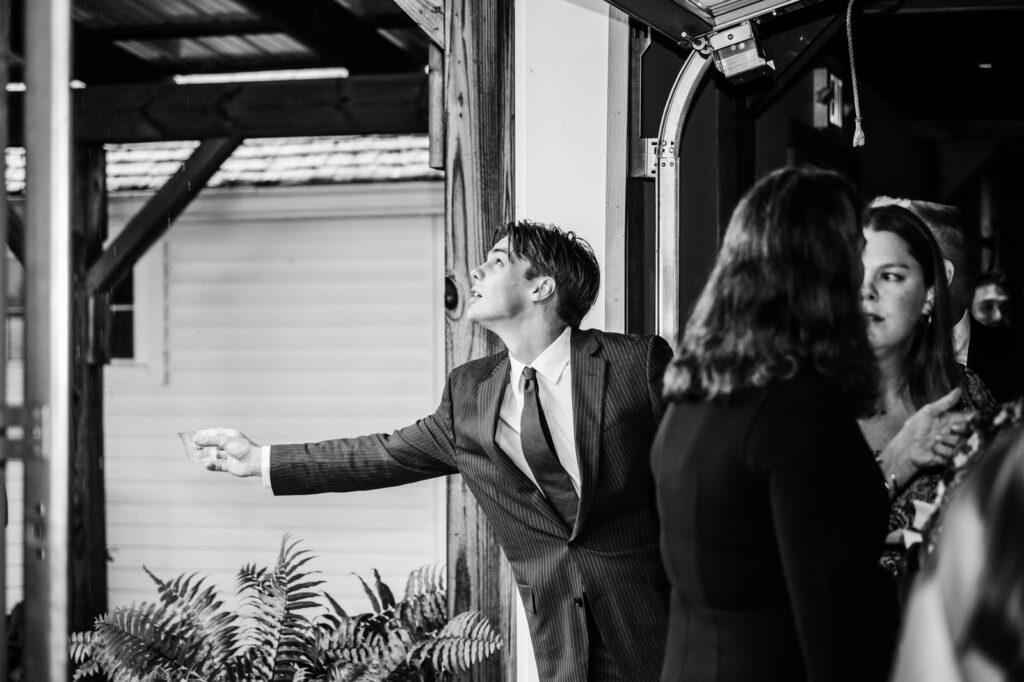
pixel 277 639
pixel 467 639
pixel 81 654
pixel 387 599
pixel 369 594
pixel 196 613
pixel 423 613
pixel 131 643
pixel 426 579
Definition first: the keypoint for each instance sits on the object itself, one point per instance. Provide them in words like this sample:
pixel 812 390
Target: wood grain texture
pixel 429 16
pixel 478 76
pixel 87 523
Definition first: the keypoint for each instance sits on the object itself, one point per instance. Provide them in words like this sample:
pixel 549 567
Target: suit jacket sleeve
pixel 422 450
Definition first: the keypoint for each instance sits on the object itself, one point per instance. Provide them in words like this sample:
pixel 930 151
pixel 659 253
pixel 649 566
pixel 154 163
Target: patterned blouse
pixel 913 508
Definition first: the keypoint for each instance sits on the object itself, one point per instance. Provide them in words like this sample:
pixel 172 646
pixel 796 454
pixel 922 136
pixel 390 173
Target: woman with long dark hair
pixel 772 507
pixel 906 305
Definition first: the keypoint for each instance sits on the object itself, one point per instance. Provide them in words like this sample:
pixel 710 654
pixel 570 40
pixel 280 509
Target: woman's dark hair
pixel 930 371
pixel 563 256
pixel 783 294
pixel 996 488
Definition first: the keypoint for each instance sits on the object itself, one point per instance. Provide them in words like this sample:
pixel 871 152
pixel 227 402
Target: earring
pixel 927 317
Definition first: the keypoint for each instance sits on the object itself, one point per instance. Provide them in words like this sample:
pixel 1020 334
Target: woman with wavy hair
pixel 773 510
pixel 906 305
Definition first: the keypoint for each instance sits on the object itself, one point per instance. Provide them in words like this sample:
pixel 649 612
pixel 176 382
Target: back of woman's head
pixel 996 488
pixel 930 371
pixel 783 294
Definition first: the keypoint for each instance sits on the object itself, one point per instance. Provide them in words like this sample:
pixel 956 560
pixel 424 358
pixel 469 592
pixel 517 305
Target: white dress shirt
pixel 962 338
pixel 554 383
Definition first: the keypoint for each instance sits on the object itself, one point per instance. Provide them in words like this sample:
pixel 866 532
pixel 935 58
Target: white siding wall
pixel 292 314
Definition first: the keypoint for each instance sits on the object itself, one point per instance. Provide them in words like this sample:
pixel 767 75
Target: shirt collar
pixel 549 364
pixel 962 337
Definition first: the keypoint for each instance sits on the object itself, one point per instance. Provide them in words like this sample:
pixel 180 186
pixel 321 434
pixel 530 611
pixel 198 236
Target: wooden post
pixel 88 550
pixel 478 73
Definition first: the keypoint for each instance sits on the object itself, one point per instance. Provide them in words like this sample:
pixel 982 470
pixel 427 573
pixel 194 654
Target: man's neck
pixel 526 342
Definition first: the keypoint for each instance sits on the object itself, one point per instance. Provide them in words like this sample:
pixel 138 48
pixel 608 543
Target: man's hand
pixel 229 450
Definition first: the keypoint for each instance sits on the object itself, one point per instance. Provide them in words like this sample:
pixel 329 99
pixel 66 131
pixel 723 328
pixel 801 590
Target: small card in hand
pixel 194 452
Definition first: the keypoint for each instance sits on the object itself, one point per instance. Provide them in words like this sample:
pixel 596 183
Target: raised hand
pixel 928 438
pixel 229 450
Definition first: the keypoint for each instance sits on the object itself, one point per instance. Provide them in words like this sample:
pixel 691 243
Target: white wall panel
pixel 292 314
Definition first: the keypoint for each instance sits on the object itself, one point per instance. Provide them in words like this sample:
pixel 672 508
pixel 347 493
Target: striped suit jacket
pixel 611 555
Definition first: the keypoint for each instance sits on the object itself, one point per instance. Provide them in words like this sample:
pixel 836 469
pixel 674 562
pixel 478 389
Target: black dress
pixel 773 514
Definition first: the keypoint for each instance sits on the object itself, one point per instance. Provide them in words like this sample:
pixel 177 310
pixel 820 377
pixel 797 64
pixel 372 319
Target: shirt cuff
pixel 265 466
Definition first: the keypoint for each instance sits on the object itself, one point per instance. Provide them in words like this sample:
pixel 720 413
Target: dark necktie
pixel 539 450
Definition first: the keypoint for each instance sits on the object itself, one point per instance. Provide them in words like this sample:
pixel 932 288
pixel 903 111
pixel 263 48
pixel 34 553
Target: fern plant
pixel 288 629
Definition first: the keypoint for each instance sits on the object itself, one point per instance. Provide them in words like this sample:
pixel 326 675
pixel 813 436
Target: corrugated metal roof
pixel 263 162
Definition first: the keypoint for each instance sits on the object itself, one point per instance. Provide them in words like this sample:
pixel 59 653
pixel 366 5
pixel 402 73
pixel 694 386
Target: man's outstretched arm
pixel 423 450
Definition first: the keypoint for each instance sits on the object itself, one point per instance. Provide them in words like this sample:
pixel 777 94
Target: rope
pixel 858 128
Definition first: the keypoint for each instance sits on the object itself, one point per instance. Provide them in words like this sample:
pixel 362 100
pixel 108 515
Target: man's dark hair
pixel 957 243
pixel 997 277
pixel 562 256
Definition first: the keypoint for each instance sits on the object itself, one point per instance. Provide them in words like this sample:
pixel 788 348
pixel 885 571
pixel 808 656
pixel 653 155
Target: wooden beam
pixel 191 29
pixel 87 555
pixel 358 105
pixel 435 114
pixel 478 75
pixel 428 15
pixel 153 219
pixel 336 34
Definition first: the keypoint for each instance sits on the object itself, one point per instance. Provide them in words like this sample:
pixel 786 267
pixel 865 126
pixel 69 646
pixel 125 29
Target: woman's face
pixel 894 295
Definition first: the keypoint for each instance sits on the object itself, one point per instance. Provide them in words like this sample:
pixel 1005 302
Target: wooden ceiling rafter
pixel 192 29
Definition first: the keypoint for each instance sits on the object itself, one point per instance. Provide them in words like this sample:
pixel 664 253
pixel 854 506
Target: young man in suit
pixel 552 437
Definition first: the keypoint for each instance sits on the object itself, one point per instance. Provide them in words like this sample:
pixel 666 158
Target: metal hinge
pixel 645 161
pixel 12 440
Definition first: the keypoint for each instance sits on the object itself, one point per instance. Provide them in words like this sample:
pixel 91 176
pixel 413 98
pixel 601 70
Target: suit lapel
pixel 588 380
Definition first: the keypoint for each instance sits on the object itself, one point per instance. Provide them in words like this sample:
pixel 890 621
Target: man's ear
pixel 950 271
pixel 543 289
